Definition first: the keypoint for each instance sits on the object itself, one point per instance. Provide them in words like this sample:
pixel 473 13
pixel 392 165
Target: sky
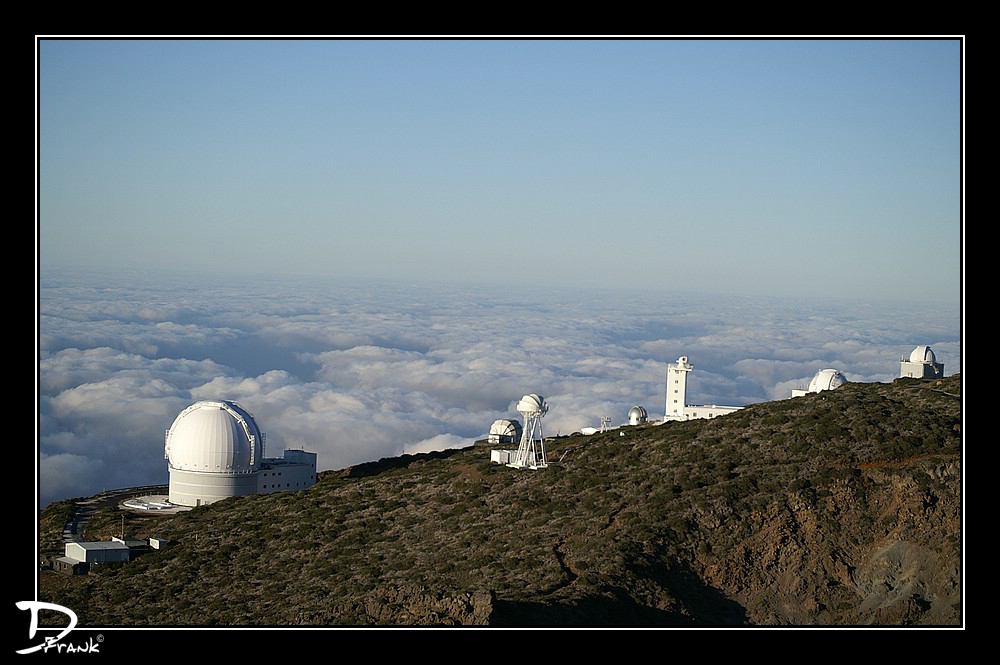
pixel 768 167
pixel 377 247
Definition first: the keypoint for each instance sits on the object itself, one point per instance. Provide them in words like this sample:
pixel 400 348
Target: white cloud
pixel 358 372
pixel 66 475
pixel 437 443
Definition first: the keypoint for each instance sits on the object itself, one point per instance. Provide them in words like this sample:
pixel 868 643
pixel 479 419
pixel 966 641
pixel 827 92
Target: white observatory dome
pixel 826 379
pixel 505 427
pixel 532 404
pixel 636 415
pixel 922 354
pixel 215 437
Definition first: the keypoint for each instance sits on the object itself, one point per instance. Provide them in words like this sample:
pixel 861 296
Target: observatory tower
pixel 677 389
pixel 531 453
pixel 677 407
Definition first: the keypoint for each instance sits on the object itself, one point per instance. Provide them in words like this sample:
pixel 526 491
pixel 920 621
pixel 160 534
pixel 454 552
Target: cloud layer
pixel 358 371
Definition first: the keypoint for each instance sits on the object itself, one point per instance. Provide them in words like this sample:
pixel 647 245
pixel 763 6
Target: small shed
pixel 69 566
pixel 502 456
pixel 92 553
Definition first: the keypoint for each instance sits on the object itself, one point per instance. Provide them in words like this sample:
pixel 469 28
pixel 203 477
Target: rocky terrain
pixel 837 508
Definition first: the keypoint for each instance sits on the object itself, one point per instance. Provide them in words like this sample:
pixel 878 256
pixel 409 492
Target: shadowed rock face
pixel 837 508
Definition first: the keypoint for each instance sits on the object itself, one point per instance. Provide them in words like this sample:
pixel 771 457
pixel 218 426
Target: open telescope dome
pixel 532 404
pixel 922 354
pixel 506 428
pixel 826 379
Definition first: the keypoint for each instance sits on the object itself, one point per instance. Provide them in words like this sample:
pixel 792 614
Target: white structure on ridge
pixel 505 431
pixel 825 379
pixel 636 415
pixel 215 450
pixel 921 364
pixel 531 453
pixel 677 407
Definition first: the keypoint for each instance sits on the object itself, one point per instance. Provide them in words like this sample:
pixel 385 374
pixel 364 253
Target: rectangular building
pixel 97 553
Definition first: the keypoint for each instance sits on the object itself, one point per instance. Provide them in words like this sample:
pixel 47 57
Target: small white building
pixel 922 364
pixel 94 553
pixel 677 407
pixel 295 470
pixel 825 379
pixel 499 456
pixel 81 556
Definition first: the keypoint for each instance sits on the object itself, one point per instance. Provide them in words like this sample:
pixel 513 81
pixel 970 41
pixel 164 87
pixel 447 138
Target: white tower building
pixel 531 453
pixel 677 407
pixel 677 389
pixel 922 364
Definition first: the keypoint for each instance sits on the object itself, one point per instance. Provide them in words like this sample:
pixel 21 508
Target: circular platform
pixel 152 503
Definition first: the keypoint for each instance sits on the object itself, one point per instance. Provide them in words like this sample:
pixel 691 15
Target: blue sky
pixel 788 168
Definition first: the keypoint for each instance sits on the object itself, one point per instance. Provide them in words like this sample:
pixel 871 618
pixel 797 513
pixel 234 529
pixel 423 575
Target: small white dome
pixel 636 415
pixel 214 437
pixel 532 404
pixel 826 379
pixel 922 354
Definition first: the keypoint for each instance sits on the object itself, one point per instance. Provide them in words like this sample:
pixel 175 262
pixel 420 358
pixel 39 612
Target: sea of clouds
pixel 356 371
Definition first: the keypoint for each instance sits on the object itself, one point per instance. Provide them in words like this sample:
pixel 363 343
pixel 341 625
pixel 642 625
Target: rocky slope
pixel 838 508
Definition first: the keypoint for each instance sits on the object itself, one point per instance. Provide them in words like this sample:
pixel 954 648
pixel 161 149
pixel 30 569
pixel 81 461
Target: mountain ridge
pixel 836 508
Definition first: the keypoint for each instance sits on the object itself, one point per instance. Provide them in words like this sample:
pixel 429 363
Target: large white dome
pixel 215 437
pixel 922 354
pixel 826 379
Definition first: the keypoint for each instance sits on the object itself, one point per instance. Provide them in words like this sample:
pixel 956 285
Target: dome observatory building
pixel 825 379
pixel 922 364
pixel 215 450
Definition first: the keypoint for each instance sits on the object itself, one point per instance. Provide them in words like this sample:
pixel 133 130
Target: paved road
pixel 74 529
